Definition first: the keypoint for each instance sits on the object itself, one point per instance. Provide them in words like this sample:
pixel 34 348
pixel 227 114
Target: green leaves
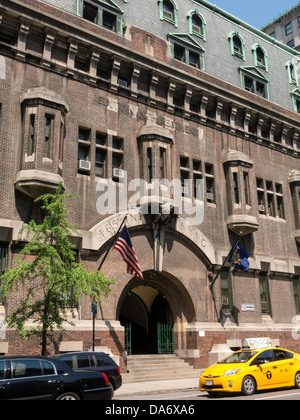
pixel 47 275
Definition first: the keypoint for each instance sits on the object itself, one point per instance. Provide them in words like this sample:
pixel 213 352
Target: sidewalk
pixel 156 387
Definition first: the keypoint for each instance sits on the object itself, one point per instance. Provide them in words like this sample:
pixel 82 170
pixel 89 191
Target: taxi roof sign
pixel 258 343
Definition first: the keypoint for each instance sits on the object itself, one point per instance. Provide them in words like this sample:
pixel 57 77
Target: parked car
pixel 49 379
pixel 94 361
pixel 251 370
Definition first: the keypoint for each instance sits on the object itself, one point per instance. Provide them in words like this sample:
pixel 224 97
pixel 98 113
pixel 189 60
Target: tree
pixel 46 271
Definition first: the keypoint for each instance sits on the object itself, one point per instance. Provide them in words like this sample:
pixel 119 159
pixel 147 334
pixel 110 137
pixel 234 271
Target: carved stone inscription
pixel 148 117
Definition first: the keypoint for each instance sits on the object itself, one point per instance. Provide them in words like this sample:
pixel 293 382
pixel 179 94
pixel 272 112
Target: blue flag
pixel 239 258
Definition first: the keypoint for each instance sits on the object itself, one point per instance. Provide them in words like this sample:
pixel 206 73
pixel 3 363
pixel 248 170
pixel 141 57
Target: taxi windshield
pixel 239 357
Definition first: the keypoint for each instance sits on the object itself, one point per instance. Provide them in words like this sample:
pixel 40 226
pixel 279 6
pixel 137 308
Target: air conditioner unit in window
pixel 225 301
pixel 185 191
pixel 261 208
pixel 210 196
pixel 84 165
pixel 118 173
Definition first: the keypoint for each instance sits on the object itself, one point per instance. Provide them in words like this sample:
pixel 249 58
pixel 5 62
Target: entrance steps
pixel 152 367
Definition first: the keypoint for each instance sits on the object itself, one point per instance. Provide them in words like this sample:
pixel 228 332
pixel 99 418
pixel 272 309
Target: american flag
pixel 125 247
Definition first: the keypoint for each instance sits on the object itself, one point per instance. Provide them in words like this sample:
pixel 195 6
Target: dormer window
pixel 104 13
pixel 260 56
pixel 196 24
pixel 168 11
pixel 254 81
pixel 187 50
pixel 292 73
pixel 237 44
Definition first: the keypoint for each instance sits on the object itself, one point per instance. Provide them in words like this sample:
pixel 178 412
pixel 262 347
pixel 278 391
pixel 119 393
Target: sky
pixel 255 12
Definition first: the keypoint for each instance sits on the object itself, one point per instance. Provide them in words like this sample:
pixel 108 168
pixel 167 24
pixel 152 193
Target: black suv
pixel 95 361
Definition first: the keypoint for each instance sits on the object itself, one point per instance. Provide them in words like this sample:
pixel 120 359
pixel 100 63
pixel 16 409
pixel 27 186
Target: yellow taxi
pixel 249 370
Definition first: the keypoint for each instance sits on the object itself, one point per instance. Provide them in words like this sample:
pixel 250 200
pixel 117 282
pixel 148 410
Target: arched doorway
pixel 148 321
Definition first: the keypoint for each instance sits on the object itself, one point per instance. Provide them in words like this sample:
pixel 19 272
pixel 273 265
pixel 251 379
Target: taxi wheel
pixel 297 380
pixel 248 386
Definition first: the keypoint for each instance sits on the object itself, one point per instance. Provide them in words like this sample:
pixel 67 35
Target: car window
pixel 239 357
pixel 68 359
pixel 48 368
pixel 83 361
pixel 264 357
pixel 100 359
pixel 282 355
pixel 2 369
pixel 26 368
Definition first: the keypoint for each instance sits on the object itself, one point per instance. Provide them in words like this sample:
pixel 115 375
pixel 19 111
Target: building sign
pixel 245 307
pixel 148 117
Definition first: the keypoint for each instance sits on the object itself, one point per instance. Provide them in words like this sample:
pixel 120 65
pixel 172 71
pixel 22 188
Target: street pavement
pixel 156 387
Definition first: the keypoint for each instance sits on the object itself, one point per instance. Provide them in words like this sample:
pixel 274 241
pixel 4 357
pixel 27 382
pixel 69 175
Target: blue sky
pixel 255 12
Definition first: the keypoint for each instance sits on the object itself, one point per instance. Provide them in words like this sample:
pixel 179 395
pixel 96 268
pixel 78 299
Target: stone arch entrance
pixel 152 312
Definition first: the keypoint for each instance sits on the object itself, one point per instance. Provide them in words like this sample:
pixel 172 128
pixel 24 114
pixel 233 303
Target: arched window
pixel 292 73
pixel 197 24
pixel 237 45
pixel 260 56
pixel 168 11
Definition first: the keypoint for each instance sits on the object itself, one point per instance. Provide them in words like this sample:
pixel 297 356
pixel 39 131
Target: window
pixel 3 263
pixel 68 359
pixel 149 165
pixel 197 24
pixel 31 135
pixel 261 195
pixel 291 43
pixel 185 49
pixel 117 159
pixel 296 100
pixel 84 361
pixel 247 188
pixel 296 289
pixel 191 177
pixel 90 12
pixel 236 187
pixel 270 198
pixel 22 368
pixel 210 181
pixel 237 44
pixel 288 29
pixel 48 135
pixel 226 292
pixel 168 11
pixel 84 150
pixel 163 163
pixel 264 294
pixel 96 11
pixel 254 81
pixel 260 56
pixel 292 73
pixel 185 176
pixel 264 357
pixel 101 155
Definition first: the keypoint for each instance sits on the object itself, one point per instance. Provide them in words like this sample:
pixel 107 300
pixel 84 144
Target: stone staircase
pixel 153 367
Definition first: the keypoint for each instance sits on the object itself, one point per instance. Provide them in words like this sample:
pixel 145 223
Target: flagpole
pixel 99 268
pixel 211 286
pixel 225 261
pixel 112 243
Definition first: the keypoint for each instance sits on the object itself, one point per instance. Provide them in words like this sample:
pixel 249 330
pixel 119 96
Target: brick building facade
pixel 94 95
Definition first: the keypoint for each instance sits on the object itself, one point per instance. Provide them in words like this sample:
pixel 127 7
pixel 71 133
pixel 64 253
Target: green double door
pixel 148 332
pixel 164 338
